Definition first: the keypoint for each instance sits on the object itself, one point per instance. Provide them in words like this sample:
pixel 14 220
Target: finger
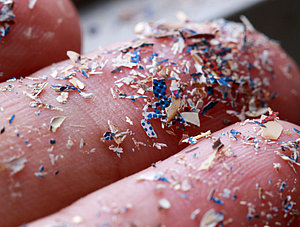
pixel 39 35
pixel 243 184
pixel 85 158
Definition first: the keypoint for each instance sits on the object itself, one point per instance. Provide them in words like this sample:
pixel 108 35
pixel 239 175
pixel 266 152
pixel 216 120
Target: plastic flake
pixel 148 128
pixel 56 122
pixel 211 218
pixel 15 164
pixel 159 88
pixel 164 204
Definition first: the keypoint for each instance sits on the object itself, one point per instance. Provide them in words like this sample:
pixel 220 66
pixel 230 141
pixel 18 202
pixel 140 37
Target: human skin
pixel 245 181
pixel 39 37
pixel 83 169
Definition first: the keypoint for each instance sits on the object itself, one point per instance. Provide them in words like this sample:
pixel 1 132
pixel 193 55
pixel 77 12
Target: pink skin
pixel 39 37
pixel 246 171
pixel 82 171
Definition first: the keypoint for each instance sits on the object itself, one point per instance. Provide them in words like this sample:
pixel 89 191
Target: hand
pixel 50 167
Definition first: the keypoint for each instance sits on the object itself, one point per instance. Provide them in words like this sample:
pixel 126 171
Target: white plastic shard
pixel 63 98
pixel 191 117
pixel 77 83
pixel 74 57
pixel 272 130
pixel 86 95
pixel 56 122
pixel 15 164
pixel 164 204
pixel 31 4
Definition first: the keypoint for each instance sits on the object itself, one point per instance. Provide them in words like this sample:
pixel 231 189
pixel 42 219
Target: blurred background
pixel 107 21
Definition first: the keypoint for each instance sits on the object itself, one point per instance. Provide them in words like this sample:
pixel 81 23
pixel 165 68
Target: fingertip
pixel 39 35
pixel 242 189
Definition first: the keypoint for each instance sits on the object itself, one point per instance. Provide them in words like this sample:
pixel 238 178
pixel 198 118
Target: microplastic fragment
pixel 15 164
pixel 74 57
pixel 6 13
pixel 52 159
pixel 190 140
pixel 56 122
pixel 209 106
pixel 159 88
pixel 211 218
pixel 191 117
pixel 77 83
pixel 247 23
pixel 6 16
pixel 31 4
pixel 178 46
pixel 216 200
pixel 86 95
pixel 258 112
pixel 260 124
pixel 52 141
pixel 123 61
pixel 2 130
pixel 282 186
pixel 63 97
pixel 70 143
pixel 159 145
pixel 164 204
pixel 217 144
pixel 135 96
pixel 117 150
pixel 40 174
pixel 272 130
pixel 234 133
pixel 208 163
pixel 128 120
pixel 93 150
pixel 226 192
pixel 77 219
pixel 172 110
pixel 271 117
pixel 196 138
pixel 11 119
pixel 276 166
pixel 42 168
pixel 296 130
pixel 81 143
pixel 148 128
pixel 112 127
pixel 194 214
pixel 185 185
pixel 287 158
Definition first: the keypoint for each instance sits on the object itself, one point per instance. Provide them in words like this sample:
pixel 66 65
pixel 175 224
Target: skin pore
pixel 101 138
